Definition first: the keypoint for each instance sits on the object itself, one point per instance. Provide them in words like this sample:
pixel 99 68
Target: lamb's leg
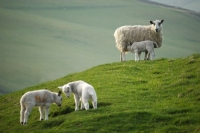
pixel 145 56
pixel 94 101
pixel 148 55
pixel 82 105
pixel 139 53
pixel 41 110
pixel 152 55
pixel 85 102
pixel 136 56
pixel 27 112
pixel 76 99
pixel 23 108
pixel 47 112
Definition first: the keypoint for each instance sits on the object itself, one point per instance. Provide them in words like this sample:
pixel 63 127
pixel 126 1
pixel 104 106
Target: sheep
pixel 127 35
pixel 41 98
pixel 82 92
pixel 143 46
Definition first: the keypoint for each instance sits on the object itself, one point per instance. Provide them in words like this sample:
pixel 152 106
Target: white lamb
pixel 82 92
pixel 41 98
pixel 127 35
pixel 144 46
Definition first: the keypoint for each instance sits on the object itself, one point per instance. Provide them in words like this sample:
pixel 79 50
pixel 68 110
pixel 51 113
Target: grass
pixel 43 41
pixel 147 96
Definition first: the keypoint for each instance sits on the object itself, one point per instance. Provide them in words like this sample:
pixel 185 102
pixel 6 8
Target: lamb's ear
pixel 60 87
pixel 59 93
pixel 151 22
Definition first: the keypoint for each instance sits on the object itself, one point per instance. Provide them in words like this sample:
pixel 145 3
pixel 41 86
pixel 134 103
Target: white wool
pixel 82 92
pixel 41 98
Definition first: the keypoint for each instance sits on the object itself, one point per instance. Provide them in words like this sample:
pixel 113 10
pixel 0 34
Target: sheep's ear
pixel 151 22
pixel 59 93
pixel 161 21
pixel 60 87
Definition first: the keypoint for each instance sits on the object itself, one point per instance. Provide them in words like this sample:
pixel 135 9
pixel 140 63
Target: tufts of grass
pixel 147 96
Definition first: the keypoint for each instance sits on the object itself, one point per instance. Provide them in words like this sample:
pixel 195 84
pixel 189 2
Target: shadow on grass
pixel 61 111
pixel 66 109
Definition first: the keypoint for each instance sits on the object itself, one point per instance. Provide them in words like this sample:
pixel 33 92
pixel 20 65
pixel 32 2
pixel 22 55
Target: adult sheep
pixel 127 35
pixel 41 98
pixel 82 93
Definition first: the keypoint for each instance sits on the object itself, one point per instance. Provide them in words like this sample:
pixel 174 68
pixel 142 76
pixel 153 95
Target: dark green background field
pixel 45 40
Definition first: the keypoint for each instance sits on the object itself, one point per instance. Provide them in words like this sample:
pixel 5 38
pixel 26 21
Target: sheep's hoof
pixel 41 119
pixel 21 123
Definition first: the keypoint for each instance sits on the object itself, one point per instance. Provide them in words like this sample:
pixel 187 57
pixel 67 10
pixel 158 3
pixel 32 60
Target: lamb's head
pixel 157 24
pixel 58 98
pixel 66 89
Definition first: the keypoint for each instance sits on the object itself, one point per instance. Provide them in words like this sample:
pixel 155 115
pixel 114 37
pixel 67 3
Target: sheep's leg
pixel 122 56
pixel 23 108
pixel 46 112
pixel 27 112
pixel 41 110
pixel 76 99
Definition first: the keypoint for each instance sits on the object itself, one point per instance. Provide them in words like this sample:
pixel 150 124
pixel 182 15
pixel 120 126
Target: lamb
pixel 144 46
pixel 82 92
pixel 41 98
pixel 127 35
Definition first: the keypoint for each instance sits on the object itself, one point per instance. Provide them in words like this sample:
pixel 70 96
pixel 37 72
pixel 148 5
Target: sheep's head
pixel 66 89
pixel 157 25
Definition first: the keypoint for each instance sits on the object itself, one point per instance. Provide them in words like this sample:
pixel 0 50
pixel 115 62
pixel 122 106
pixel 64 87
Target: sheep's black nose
pixel 156 30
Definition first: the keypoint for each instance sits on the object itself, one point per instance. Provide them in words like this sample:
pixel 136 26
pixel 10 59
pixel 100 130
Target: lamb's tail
pixel 155 45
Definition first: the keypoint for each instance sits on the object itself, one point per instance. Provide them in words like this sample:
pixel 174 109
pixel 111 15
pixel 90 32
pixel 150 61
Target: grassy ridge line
pixel 149 96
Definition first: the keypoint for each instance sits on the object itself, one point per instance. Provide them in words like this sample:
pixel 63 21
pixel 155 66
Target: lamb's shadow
pixel 100 104
pixel 66 109
pixel 61 111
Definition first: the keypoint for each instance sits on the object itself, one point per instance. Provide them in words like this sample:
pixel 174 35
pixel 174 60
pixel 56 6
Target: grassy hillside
pixel 147 96
pixel 45 40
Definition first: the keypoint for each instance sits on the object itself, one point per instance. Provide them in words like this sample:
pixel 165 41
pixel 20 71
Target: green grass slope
pixel 45 40
pixel 147 96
